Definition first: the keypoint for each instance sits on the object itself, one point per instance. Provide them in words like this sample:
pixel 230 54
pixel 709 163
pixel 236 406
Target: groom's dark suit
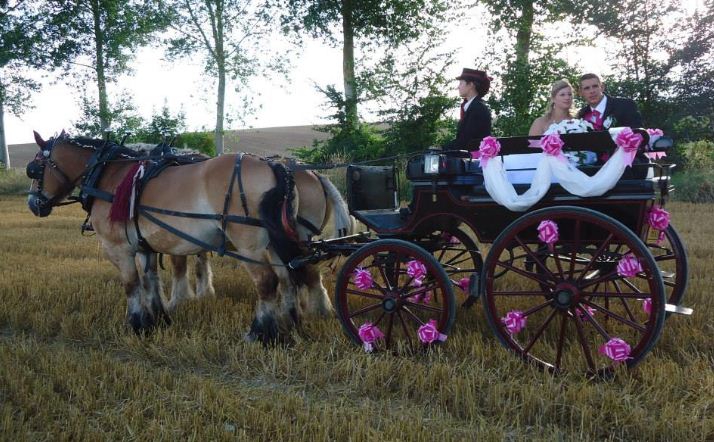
pixel 623 111
pixel 475 124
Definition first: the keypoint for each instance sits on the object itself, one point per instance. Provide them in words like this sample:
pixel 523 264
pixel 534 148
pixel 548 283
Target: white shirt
pixel 600 106
pixel 466 106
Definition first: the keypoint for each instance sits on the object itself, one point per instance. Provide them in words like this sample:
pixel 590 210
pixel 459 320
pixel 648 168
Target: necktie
pixel 596 120
pixel 463 111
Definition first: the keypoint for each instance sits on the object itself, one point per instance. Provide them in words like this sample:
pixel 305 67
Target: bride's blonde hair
pixel 554 89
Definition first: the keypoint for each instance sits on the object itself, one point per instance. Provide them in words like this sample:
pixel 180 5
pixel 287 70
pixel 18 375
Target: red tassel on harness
pixel 287 222
pixel 119 211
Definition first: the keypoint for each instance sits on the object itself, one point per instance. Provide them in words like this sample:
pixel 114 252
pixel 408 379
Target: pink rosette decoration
pixel 616 349
pixel 647 305
pixel 515 321
pixel 424 298
pixel 362 279
pixel 629 266
pixel 464 284
pixel 628 141
pixel 654 134
pixel 552 145
pixel 489 148
pixel 428 333
pixel 658 219
pixel 369 334
pixel 451 239
pixel 548 233
pixel 584 316
pixel 417 271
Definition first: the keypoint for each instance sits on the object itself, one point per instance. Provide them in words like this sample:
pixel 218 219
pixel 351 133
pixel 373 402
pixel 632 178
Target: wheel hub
pixel 389 305
pixel 565 296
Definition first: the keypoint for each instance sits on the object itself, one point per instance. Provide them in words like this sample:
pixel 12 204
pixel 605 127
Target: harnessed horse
pixel 184 210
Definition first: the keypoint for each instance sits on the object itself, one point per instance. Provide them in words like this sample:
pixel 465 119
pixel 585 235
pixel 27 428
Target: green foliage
pixel 122 113
pixel 203 142
pixel 694 128
pixel 697 155
pixel 161 126
pixel 13 181
pixel 695 186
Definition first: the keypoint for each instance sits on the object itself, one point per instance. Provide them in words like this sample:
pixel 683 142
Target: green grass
pixel 13 182
pixel 70 370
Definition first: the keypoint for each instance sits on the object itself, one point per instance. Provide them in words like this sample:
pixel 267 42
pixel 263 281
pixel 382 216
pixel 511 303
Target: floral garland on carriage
pixel 554 164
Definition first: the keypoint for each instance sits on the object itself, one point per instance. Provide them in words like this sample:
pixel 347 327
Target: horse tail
pixel 278 214
pixel 337 208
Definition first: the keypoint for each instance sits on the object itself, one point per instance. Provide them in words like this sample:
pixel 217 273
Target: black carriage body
pixel 455 194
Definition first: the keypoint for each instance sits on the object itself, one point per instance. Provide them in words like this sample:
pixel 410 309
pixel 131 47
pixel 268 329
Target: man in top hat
pixel 604 111
pixel 475 121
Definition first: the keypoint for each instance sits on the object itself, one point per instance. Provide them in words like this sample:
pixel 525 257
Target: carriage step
pixel 672 308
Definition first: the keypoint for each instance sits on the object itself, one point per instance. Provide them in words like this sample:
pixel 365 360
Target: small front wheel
pixel 392 294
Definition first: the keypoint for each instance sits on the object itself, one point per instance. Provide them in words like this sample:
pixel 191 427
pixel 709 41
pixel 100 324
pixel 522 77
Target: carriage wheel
pixel 592 301
pixel 392 294
pixel 459 256
pixel 671 257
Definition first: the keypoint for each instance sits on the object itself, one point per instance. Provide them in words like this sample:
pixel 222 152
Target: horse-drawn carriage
pixel 575 283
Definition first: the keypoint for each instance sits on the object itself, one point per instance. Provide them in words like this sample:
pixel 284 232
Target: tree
pixel 359 22
pixel 107 33
pixel 24 27
pixel 230 35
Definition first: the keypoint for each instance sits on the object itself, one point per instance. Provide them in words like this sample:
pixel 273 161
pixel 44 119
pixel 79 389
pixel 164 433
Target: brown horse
pixel 205 187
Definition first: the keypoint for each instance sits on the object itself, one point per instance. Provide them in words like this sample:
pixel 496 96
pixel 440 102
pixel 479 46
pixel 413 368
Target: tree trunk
pixel 348 64
pixel 4 153
pixel 523 47
pixel 221 63
pixel 99 66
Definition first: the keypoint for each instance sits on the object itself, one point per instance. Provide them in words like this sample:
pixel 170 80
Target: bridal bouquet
pixel 572 126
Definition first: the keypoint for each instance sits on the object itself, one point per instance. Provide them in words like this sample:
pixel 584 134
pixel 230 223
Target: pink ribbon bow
pixel 552 145
pixel 616 349
pixel 424 297
pixel 428 333
pixel 514 321
pixel 584 316
pixel 658 219
pixel 548 232
pixel 464 284
pixel 369 334
pixel 628 141
pixel 362 279
pixel 489 148
pixel 629 266
pixel 647 305
pixel 417 271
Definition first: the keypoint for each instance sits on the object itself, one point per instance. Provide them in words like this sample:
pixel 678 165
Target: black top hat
pixel 480 78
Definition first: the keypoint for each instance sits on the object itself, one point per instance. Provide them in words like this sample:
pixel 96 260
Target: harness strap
pixel 229 218
pixel 237 176
pixel 310 226
pixel 96 193
pixel 204 245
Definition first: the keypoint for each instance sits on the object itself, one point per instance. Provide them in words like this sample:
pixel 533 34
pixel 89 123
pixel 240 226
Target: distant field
pixel 265 141
pixel 70 370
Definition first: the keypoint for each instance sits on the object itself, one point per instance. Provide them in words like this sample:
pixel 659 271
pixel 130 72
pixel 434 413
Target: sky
pixel 182 86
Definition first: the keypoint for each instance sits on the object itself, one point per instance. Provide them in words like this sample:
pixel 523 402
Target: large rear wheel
pixel 578 291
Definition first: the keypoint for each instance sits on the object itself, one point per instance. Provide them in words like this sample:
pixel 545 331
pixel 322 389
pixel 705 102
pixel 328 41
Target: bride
pixel 559 107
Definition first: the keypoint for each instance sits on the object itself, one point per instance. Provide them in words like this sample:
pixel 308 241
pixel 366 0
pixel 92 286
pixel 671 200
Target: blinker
pixel 34 170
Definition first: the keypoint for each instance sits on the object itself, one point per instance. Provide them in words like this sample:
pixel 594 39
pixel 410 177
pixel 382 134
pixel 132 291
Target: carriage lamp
pixel 431 164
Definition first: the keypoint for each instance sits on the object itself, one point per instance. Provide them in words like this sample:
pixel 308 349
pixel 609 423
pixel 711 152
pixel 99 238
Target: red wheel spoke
pixel 364 310
pixel 616 295
pixel 561 341
pixel 616 317
pixel 384 278
pixel 424 307
pixel 595 324
pixel 535 258
pixel 537 308
pixel 533 276
pixel 583 342
pixel 404 328
pixel 633 287
pixel 602 278
pixel 539 332
pixel 363 294
pixel 595 256
pixel 574 253
pixel 376 323
pixel 624 304
pixel 414 317
pixel 388 341
pixel 420 290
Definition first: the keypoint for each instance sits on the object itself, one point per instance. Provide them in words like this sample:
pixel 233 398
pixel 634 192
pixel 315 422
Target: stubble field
pixel 70 369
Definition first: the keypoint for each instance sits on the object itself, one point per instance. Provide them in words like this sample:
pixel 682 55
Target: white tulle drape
pixel 551 168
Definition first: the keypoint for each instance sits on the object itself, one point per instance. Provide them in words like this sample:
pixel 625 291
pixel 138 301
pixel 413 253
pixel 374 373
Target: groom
pixel 604 111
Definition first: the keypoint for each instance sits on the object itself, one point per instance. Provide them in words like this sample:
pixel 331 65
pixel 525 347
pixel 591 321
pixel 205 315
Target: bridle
pixel 36 170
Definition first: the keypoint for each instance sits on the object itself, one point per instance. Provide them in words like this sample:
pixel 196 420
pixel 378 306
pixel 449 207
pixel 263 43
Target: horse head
pixel 54 173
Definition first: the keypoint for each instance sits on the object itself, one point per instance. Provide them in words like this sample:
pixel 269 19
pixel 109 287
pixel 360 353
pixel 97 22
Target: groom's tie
pixel 463 111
